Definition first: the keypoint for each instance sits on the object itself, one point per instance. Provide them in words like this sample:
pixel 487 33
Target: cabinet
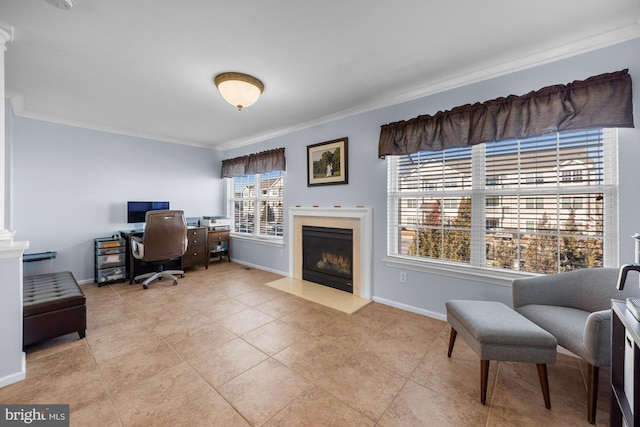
pixel 110 260
pixel 219 244
pixel 625 367
pixel 196 253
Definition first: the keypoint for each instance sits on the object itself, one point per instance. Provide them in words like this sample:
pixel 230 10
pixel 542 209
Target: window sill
pixel 263 240
pixel 485 275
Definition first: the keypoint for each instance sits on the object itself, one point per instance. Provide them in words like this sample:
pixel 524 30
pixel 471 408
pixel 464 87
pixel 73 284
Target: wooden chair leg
pixel 544 383
pixel 592 393
pixel 484 378
pixel 452 341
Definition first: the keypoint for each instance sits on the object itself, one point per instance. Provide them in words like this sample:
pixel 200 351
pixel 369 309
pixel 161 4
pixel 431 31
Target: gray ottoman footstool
pixel 496 332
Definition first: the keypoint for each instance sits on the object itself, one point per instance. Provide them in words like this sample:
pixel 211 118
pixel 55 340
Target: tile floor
pixel 223 349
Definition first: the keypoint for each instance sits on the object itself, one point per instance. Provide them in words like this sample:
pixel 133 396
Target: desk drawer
pixel 110 274
pixel 111 251
pixel 193 257
pixel 219 236
pixel 197 236
pixel 103 243
pixel 111 260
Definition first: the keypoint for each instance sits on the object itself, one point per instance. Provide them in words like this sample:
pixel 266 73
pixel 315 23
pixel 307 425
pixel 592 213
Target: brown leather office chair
pixel 164 240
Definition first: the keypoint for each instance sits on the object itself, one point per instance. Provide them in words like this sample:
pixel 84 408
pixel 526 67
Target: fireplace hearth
pixel 327 256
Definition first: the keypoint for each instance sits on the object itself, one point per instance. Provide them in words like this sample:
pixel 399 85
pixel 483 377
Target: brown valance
pixel 263 162
pixel 599 101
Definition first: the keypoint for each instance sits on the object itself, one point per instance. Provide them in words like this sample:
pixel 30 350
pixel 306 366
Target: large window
pixel 543 204
pixel 256 202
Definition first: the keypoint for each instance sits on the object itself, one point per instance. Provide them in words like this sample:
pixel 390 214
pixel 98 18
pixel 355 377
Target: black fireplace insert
pixel 327 256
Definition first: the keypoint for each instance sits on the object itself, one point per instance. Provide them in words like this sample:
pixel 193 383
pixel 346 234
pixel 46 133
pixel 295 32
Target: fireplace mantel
pixel 357 219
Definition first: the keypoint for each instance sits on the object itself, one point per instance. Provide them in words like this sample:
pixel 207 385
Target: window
pixel 256 203
pixel 534 202
pixel 572 175
pixel 543 204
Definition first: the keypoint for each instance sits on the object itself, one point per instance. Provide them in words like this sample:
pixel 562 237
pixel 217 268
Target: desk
pixel 196 253
pixel 219 243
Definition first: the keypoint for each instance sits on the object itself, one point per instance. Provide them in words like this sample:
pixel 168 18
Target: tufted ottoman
pixel 496 332
pixel 53 305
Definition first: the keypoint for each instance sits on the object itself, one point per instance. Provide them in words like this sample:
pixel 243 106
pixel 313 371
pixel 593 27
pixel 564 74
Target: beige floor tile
pixel 416 405
pixel 395 352
pixel 197 344
pixel 363 386
pixel 220 309
pixel 518 395
pixel 122 372
pixel 311 317
pixel 281 305
pixel 346 332
pixel 457 377
pixel 223 349
pixel 274 336
pixel 263 391
pixel 175 396
pixel 227 361
pixel 245 321
pixel 315 407
pixel 101 413
pixel 312 357
pixel 258 296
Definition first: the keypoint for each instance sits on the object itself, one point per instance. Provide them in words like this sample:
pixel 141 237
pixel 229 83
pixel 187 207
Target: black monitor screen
pixel 136 211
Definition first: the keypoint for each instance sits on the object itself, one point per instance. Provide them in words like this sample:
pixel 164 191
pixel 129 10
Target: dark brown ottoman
pixel 53 305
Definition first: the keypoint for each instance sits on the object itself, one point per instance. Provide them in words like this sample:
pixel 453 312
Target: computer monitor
pixel 137 211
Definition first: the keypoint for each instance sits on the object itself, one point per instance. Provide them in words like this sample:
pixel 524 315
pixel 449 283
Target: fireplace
pixel 359 220
pixel 327 256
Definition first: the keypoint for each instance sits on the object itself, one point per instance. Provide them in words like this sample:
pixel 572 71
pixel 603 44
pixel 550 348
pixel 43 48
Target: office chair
pixel 164 240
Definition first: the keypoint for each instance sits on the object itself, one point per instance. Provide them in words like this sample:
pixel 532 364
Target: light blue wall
pixel 71 185
pixel 427 293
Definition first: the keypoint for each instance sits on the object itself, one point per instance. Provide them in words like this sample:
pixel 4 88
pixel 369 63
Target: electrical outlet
pixel 403 277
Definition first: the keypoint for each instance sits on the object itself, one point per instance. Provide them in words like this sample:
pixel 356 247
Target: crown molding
pixel 468 77
pixel 6 34
pixel 569 50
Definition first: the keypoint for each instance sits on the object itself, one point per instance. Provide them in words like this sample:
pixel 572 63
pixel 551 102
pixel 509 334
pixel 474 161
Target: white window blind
pixel 541 204
pixel 257 204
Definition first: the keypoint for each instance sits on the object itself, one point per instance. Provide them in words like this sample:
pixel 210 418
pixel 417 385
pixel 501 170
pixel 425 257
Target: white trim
pixel 260 239
pixel 13 250
pixel 363 215
pixel 460 271
pixel 412 309
pixel 260 267
pixel 466 77
pixel 16 376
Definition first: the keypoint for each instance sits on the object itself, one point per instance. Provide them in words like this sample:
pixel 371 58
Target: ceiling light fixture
pixel 61 4
pixel 238 89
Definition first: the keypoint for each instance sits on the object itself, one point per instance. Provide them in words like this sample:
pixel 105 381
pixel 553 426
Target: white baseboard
pixel 412 309
pixel 261 267
pixel 16 376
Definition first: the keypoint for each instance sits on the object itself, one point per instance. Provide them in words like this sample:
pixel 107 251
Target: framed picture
pixel 327 163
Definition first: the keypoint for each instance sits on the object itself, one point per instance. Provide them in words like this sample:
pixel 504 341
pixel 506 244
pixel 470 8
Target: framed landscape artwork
pixel 327 163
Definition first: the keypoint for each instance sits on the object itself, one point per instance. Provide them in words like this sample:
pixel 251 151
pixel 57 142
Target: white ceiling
pixel 145 67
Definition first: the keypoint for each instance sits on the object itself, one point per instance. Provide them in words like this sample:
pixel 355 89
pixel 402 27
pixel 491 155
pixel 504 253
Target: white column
pixel 6 35
pixel 12 358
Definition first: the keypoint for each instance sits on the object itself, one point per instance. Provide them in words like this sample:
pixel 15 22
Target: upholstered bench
pixel 496 332
pixel 53 305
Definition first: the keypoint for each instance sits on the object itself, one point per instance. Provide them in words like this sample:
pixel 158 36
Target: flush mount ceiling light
pixel 239 90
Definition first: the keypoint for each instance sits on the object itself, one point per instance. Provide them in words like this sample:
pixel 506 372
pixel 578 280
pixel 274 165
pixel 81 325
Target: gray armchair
pixel 575 307
pixel 164 239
